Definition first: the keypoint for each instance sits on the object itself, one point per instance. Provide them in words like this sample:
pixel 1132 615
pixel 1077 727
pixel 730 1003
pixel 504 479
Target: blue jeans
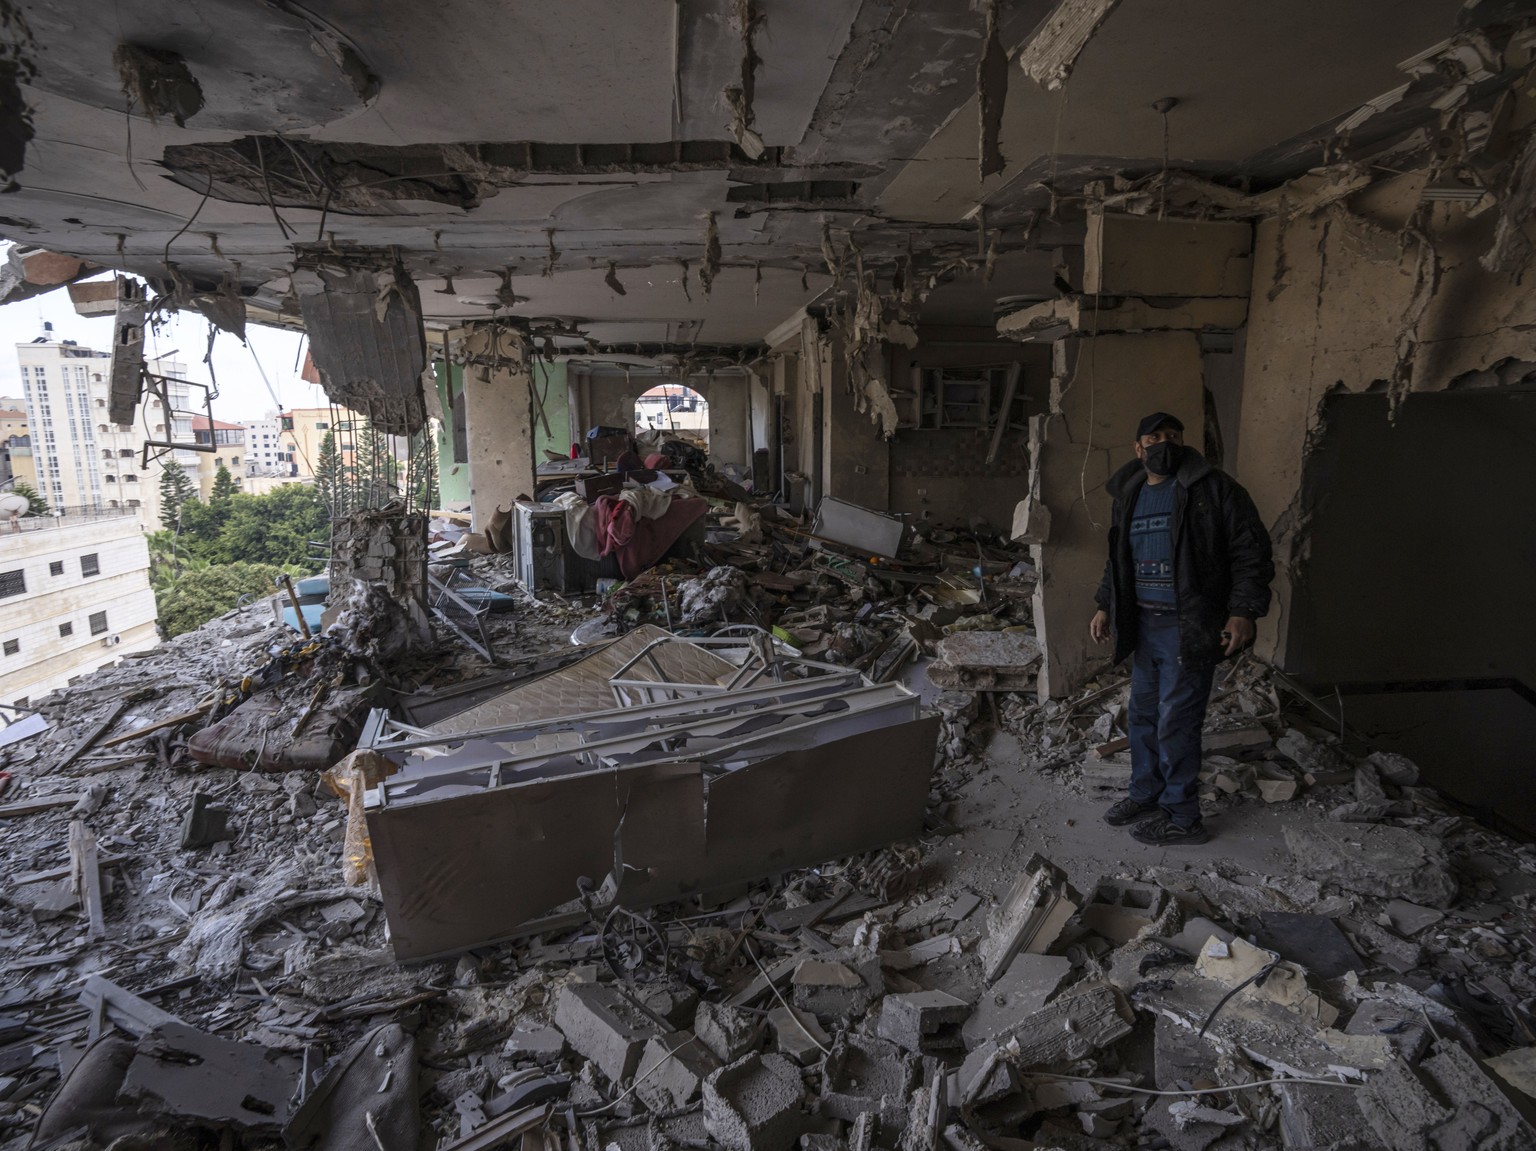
pixel 1167 712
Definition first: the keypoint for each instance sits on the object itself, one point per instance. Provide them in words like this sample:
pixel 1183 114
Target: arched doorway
pixel 673 411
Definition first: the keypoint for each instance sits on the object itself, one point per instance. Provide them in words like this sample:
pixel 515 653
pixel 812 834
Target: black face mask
pixel 1163 458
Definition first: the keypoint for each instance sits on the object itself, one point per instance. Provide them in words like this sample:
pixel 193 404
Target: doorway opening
pixel 673 411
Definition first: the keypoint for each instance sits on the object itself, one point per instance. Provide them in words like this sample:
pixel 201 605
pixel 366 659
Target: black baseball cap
pixel 1158 420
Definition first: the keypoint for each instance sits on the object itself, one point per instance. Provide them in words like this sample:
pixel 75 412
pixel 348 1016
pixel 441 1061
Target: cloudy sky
pixel 242 395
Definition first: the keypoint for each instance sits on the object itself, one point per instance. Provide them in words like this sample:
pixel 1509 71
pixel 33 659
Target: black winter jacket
pixel 1222 565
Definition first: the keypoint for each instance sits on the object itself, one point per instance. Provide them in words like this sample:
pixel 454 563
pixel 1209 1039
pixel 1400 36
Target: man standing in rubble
pixel 1188 574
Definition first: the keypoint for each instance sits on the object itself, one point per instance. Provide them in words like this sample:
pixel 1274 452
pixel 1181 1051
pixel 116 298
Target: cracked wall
pixel 1331 294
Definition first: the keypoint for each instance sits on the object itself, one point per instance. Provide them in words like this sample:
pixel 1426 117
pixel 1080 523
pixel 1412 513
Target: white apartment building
pixel 74 597
pixel 265 452
pixel 82 461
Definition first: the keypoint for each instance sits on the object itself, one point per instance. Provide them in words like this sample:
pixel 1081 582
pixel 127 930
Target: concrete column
pixel 500 424
pixel 1100 389
pixel 1127 345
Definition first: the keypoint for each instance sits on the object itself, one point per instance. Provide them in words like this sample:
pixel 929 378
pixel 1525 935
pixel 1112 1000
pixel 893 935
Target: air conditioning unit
pixel 111 640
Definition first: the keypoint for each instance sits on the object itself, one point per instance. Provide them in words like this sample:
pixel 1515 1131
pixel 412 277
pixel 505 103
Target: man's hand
pixel 1238 633
pixel 1098 627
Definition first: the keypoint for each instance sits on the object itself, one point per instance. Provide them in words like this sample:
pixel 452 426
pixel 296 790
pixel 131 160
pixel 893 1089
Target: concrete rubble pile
pixel 186 958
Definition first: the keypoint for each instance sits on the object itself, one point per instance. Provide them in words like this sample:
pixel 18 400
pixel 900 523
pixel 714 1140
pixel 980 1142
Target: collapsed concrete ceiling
pixel 586 168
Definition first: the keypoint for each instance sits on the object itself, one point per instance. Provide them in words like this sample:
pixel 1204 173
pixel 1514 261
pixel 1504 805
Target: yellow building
pixel 228 443
pixel 14 434
pixel 74 596
pixel 303 429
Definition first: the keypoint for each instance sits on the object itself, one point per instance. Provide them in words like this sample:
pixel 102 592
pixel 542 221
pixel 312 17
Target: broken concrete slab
pixel 204 824
pixel 1517 1069
pixel 604 1027
pixel 1237 741
pixel 798 1035
pixel 727 1031
pixel 1398 770
pixel 1120 910
pixel 542 1045
pixel 1315 1117
pixel 1447 1101
pixel 1112 774
pixel 1029 918
pixel 1192 938
pixel 1313 941
pixel 1392 862
pixel 839 984
pixel 1406 1031
pixel 1388 948
pixel 864 1074
pixel 1409 918
pixel 754 1104
pixel 924 1022
pixel 1242 967
pixel 1024 988
pixel 986 661
pixel 1082 1020
pixel 672 1071
pixel 184 1073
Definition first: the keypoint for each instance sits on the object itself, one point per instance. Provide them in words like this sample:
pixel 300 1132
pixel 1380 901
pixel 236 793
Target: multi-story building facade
pixel 83 462
pixel 13 432
pixel 228 444
pixel 74 596
pixel 266 455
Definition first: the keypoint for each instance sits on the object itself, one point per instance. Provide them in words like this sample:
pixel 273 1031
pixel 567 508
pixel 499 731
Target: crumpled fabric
pixel 639 524
pixel 580 525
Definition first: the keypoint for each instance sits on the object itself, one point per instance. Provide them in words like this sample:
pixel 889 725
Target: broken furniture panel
pixel 731 764
pixel 859 528
pixel 127 351
pixel 363 315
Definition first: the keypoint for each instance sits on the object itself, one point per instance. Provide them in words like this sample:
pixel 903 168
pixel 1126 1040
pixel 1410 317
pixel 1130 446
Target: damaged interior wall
pixel 1421 545
pixel 1330 297
pixel 452 436
pixel 942 473
pixel 499 408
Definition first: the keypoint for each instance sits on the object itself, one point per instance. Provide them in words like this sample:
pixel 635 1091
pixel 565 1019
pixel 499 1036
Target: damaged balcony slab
pixel 363 316
pixel 794 763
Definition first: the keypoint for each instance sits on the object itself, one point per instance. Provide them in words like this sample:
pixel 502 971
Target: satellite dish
pixel 12 504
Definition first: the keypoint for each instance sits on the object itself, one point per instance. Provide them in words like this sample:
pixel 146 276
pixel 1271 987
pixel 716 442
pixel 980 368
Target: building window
pixel 13 583
pixel 66 629
pixel 133 503
pixel 12 646
pixel 320 427
pixel 98 622
pixel 130 479
pixel 110 479
pixel 234 461
pixel 56 567
pixel 125 453
pixel 90 564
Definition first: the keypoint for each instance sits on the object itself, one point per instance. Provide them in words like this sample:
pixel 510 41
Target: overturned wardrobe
pixel 654 769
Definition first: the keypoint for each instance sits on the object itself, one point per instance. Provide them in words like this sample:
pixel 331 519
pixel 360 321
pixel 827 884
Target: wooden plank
pixel 158 725
pixel 134 1015
pixel 86 875
pixel 32 806
pixel 86 741
pixel 1009 389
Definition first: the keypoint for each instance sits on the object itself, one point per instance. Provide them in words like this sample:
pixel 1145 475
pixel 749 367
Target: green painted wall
pixel 453 478
pixel 550 393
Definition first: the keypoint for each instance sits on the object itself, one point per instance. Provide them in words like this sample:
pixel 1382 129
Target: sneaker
pixel 1127 811
pixel 1163 832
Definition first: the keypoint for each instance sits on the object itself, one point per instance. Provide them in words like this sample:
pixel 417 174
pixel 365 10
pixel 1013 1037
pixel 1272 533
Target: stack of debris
pixel 685 919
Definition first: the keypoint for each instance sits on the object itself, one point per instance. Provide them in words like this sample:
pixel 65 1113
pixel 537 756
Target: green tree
pixel 223 487
pixel 377 471
pixel 176 488
pixel 201 525
pixel 199 596
pixel 329 479
pixel 274 528
pixel 37 506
